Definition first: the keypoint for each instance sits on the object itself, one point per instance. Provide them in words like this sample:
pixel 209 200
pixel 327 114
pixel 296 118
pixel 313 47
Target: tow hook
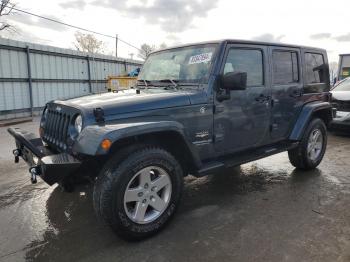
pixel 17 154
pixel 34 172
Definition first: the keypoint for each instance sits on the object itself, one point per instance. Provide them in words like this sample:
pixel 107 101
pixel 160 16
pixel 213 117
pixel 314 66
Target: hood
pixel 341 95
pixel 129 101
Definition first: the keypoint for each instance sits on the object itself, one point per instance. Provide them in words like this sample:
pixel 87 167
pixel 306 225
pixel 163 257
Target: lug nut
pixel 144 201
pixel 146 186
pixel 154 188
pixel 140 194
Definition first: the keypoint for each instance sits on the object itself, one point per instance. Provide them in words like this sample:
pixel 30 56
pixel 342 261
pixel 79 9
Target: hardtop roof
pixel 238 41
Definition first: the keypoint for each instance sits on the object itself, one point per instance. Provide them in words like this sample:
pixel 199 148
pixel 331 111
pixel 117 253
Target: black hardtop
pixel 246 42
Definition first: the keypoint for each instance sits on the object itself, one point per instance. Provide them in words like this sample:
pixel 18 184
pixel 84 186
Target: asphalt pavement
pixel 262 211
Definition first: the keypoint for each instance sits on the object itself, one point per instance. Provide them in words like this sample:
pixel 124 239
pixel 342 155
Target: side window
pixel 315 68
pixel 246 60
pixel 285 67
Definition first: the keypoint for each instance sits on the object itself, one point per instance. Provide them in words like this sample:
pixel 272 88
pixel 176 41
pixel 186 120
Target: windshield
pixel 186 64
pixel 343 86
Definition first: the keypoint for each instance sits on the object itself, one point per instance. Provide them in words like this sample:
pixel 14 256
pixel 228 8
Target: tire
pixel 309 154
pixel 120 195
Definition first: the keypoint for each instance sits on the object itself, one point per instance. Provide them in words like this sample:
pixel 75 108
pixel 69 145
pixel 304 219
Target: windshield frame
pixel 189 82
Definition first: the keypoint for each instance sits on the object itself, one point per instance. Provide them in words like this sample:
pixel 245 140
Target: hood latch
pixel 99 115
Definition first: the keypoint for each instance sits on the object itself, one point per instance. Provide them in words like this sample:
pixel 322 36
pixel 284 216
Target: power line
pixel 73 26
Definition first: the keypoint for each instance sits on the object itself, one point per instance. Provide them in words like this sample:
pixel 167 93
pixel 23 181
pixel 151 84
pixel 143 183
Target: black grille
pixel 341 105
pixel 56 128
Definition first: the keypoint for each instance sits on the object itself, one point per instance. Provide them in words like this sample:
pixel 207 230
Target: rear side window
pixel 285 67
pixel 315 68
pixel 246 60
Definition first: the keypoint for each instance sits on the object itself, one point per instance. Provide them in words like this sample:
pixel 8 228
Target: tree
pixel 5 9
pixel 146 49
pixel 163 46
pixel 333 70
pixel 88 43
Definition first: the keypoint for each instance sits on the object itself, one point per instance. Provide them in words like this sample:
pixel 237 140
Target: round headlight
pixel 78 124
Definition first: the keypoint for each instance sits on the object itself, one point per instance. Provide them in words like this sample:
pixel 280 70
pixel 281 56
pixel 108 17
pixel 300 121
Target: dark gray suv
pixel 196 109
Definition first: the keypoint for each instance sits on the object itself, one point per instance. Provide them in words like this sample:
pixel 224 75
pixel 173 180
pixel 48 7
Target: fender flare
pixel 305 116
pixel 90 139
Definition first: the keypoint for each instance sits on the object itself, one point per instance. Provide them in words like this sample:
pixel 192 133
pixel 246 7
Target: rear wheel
pixel 312 147
pixel 138 192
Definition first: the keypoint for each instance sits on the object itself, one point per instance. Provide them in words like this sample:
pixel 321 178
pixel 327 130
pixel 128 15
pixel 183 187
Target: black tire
pixel 299 156
pixel 110 186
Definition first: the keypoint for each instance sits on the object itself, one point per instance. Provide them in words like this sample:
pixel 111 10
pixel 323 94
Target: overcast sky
pixel 324 24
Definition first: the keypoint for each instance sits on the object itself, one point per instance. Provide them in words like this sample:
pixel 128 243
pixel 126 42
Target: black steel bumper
pixel 50 167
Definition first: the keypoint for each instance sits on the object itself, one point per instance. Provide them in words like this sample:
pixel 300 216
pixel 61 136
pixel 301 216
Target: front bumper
pixel 50 167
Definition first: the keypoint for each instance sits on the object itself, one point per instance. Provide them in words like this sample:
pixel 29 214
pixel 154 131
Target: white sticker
pixel 201 58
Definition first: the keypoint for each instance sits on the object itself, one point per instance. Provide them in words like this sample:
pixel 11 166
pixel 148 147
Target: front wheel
pixel 138 193
pixel 309 154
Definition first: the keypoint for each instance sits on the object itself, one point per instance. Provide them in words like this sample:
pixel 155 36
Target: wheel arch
pixel 170 140
pixel 322 110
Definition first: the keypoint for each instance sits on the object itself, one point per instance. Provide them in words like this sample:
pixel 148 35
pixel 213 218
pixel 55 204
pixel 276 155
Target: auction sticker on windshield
pixel 201 58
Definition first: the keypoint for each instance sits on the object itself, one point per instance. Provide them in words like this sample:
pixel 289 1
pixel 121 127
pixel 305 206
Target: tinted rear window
pixel 285 67
pixel 315 68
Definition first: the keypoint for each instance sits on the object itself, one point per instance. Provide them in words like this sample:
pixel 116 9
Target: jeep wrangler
pixel 196 109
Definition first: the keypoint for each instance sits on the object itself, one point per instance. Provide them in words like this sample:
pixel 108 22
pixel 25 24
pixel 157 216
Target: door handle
pixel 262 98
pixel 296 93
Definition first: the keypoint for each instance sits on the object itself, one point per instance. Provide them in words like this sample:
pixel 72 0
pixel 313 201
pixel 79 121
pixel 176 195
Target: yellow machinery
pixel 118 83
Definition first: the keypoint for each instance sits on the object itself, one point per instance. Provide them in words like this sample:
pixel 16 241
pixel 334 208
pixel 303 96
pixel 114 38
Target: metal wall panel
pixel 13 64
pixel 44 92
pixel 56 73
pixel 14 95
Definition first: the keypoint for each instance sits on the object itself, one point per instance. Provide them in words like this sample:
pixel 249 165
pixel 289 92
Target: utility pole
pixel 116 45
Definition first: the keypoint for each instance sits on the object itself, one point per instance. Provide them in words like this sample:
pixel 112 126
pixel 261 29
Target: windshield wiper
pixel 145 82
pixel 174 82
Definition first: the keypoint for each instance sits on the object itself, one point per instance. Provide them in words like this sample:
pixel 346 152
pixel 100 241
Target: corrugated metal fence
pixel 31 75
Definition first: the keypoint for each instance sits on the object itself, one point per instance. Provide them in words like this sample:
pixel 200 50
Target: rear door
pixel 286 91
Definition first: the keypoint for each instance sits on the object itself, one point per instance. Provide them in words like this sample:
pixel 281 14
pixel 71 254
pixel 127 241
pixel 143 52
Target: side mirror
pixel 234 81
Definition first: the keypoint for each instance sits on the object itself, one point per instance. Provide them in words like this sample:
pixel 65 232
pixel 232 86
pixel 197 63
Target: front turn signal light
pixel 106 144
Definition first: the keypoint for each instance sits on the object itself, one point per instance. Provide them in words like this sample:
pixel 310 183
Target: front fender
pixel 90 139
pixel 305 116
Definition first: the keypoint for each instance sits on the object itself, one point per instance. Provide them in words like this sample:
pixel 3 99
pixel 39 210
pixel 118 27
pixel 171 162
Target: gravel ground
pixel 262 211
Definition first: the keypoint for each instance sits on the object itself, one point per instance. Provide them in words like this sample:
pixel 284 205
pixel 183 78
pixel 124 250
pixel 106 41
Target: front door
pixel 286 90
pixel 242 121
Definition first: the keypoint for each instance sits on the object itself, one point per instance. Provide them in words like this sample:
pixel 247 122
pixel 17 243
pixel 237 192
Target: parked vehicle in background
pixel 344 66
pixel 341 101
pixel 197 109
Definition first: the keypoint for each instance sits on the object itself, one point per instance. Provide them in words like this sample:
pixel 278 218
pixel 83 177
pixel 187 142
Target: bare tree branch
pixel 6 8
pixel 88 43
pixel 146 49
pixel 3 26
